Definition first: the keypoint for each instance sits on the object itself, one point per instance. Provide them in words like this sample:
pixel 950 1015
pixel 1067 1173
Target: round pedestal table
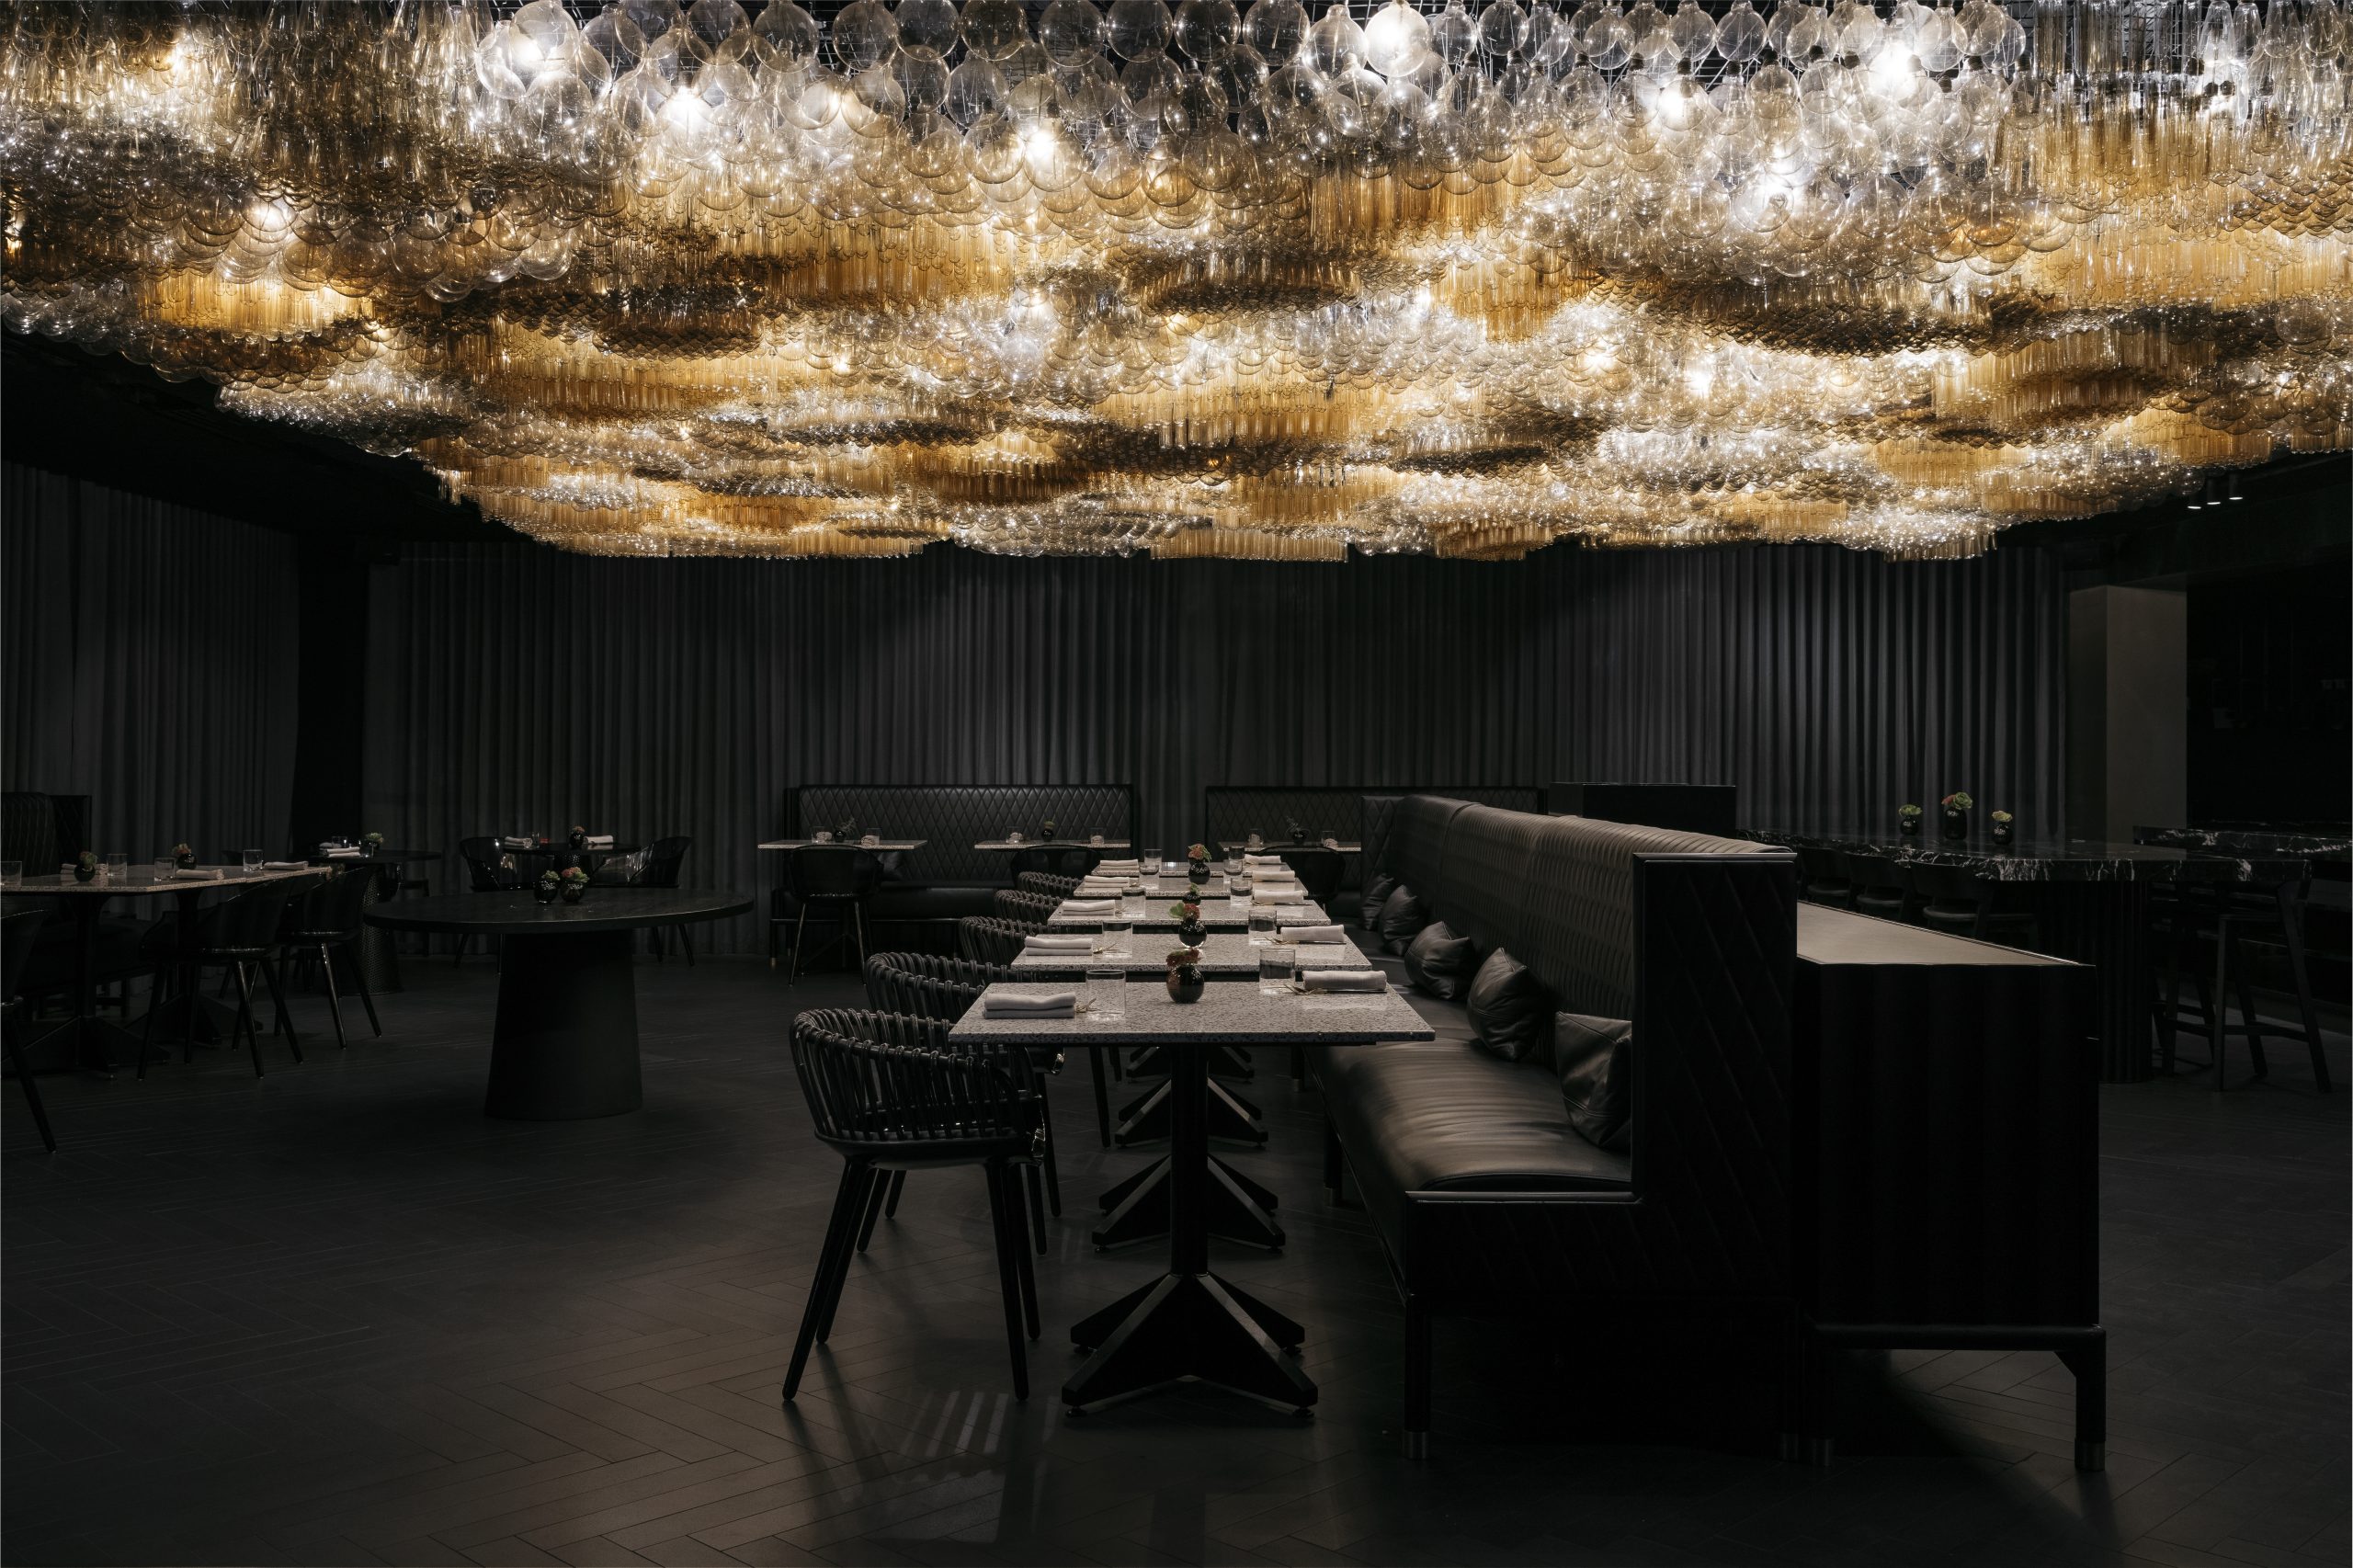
pixel 564 1045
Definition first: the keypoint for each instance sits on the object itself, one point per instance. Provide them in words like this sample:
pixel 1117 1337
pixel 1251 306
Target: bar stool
pixel 1879 886
pixel 1826 877
pixel 1956 899
pixel 2225 914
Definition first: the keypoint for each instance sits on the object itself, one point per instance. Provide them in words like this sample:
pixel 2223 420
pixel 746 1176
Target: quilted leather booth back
pixel 41 830
pixel 1559 892
pixel 951 818
pixel 1380 813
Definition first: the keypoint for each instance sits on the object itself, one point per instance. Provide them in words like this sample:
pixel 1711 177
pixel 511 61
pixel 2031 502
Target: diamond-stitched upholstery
pixel 1380 813
pixel 951 818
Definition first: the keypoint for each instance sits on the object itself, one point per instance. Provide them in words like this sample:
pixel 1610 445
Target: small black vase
pixel 543 893
pixel 1956 825
pixel 84 873
pixel 1908 827
pixel 1299 836
pixel 575 892
pixel 2003 832
pixel 1191 933
pixel 579 839
pixel 1185 990
pixel 187 862
pixel 1197 873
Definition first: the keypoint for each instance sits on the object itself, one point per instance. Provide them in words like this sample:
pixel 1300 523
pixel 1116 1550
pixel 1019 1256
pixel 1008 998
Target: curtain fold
pixel 151 662
pixel 516 688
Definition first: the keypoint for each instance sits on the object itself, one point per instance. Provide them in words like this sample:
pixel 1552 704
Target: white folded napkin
pixel 1341 980
pixel 1030 1004
pixel 511 841
pixel 1090 906
pixel 598 841
pixel 1262 859
pixel 1262 894
pixel 285 865
pixel 1119 865
pixel 1046 944
pixel 341 855
pixel 196 874
pixel 1309 935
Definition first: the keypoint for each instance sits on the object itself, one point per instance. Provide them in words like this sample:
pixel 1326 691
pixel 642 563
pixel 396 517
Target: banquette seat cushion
pixel 1445 1118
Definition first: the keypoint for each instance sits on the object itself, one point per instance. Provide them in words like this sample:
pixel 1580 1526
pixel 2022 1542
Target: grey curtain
pixel 150 665
pixel 514 687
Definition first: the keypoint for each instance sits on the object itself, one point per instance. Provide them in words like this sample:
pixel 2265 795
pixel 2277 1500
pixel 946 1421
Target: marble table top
pixel 1226 1015
pixel 521 913
pixel 140 883
pixel 1224 955
pixel 1007 847
pixel 881 847
pixel 2052 860
pixel 1240 846
pixel 1151 914
pixel 2251 841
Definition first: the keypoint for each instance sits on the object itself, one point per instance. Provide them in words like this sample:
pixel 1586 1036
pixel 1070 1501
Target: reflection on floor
pixel 336 1316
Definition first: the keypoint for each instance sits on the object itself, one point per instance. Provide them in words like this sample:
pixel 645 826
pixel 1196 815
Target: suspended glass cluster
pixel 1207 281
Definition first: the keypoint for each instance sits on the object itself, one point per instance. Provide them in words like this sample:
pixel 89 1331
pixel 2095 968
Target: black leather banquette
pixel 948 878
pixel 1487 1198
pixel 1357 813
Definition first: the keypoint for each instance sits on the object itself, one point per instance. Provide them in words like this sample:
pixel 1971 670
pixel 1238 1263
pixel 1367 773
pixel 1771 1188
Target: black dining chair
pixel 1046 884
pixel 889 1094
pixel 1826 877
pixel 18 931
pixel 325 923
pixel 1319 872
pixel 1958 900
pixel 660 867
pixel 1879 886
pixel 1012 904
pixel 489 868
pixel 988 939
pixel 239 934
pixel 839 878
pixel 2198 918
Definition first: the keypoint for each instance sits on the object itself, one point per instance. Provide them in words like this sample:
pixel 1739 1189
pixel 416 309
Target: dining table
pixel 563 1042
pixel 1150 912
pixel 2090 902
pixel 877 845
pixel 1015 845
pixel 1244 847
pixel 1192 1322
pixel 98 1042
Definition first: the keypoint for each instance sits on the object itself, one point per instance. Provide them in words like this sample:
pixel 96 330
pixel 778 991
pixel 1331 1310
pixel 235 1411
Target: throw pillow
pixel 1511 1013
pixel 1375 893
pixel 1440 962
pixel 1596 1060
pixel 1402 916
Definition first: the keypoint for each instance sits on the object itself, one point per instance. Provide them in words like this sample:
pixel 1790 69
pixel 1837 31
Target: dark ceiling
pixel 104 418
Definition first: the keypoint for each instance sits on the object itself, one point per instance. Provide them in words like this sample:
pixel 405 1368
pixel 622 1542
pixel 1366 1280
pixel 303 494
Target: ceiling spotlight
pixel 2235 489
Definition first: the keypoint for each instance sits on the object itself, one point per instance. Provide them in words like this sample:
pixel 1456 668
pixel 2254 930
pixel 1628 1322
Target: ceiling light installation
pixel 1062 279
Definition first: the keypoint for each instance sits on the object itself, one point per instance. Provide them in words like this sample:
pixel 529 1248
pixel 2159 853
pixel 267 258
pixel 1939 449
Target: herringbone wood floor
pixel 336 1317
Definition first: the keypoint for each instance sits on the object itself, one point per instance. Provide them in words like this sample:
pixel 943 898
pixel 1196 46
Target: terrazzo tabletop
pixel 1225 955
pixel 1151 914
pixel 1226 1015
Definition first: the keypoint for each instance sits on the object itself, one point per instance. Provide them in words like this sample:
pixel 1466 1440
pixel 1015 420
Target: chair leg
pixel 1095 1054
pixel 2292 919
pixel 334 999
pixel 360 979
pixel 1008 1278
pixel 874 1200
pixel 891 1204
pixel 1024 1269
pixel 2218 1019
pixel 686 943
pixel 245 1025
pixel 1035 1225
pixel 2245 994
pixel 837 1233
pixel 857 921
pixel 154 1006
pixel 2090 1367
pixel 1417 1382
pixel 1053 1166
pixel 792 976
pixel 870 1181
pixel 32 1090
pixel 268 968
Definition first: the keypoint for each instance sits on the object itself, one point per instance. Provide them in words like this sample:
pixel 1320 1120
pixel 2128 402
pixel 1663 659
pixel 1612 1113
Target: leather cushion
pixel 1403 915
pixel 1375 893
pixel 1510 1011
pixel 1450 1021
pixel 1440 962
pixel 1443 1117
pixel 1595 1058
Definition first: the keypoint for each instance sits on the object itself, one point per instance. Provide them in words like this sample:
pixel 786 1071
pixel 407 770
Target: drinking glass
pixel 118 866
pixel 1115 931
pixel 12 873
pixel 1151 862
pixel 1107 989
pixel 252 859
pixel 1274 965
pixel 165 865
pixel 1262 925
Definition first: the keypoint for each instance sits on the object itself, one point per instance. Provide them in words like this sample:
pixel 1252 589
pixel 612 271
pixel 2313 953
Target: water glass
pixel 252 859
pixel 1106 991
pixel 117 866
pixel 1150 862
pixel 1262 926
pixel 12 873
pixel 165 866
pixel 1115 931
pixel 1275 966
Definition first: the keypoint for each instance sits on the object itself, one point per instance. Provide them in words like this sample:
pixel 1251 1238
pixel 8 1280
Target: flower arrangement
pixel 2005 825
pixel 1956 807
pixel 846 831
pixel 1298 833
pixel 1907 819
pixel 373 840
pixel 1046 828
pixel 86 867
pixel 183 856
pixel 1908 812
pixel 574 884
pixel 2000 817
pixel 1185 981
pixel 549 885
pixel 1198 854
pixel 1958 800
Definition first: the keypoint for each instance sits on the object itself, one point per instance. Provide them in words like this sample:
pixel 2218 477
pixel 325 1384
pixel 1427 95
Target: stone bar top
pixel 1226 1015
pixel 2052 861
pixel 1224 956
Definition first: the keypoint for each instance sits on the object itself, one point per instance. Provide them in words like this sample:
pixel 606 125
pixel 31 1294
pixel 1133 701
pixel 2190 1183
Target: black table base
pixel 1239 1208
pixel 565 1048
pixel 1231 1118
pixel 1189 1323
